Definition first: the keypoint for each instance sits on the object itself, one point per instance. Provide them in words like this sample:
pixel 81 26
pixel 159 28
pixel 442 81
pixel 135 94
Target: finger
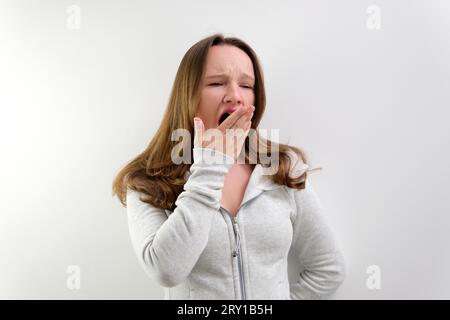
pixel 198 132
pixel 241 123
pixel 241 138
pixel 236 138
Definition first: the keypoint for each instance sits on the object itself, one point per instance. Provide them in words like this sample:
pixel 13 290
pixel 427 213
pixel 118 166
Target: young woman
pixel 219 228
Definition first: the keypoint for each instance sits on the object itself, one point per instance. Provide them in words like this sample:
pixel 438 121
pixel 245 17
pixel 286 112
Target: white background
pixel 370 106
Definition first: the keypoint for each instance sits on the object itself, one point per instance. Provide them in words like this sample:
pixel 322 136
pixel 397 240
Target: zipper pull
pixel 238 238
pixel 236 228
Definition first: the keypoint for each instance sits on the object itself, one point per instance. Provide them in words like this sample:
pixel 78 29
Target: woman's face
pixel 228 81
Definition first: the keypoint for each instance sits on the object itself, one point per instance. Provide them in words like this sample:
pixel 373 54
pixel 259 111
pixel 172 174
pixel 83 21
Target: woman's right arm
pixel 169 247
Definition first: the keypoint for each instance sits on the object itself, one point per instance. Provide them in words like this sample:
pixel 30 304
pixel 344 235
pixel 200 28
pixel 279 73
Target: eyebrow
pixel 245 75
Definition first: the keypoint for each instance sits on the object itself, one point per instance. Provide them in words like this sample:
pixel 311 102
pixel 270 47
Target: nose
pixel 233 94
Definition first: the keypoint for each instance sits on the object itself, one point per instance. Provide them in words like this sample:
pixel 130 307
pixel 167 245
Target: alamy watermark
pixel 73 21
pixel 373 282
pixel 229 145
pixel 73 281
pixel 373 21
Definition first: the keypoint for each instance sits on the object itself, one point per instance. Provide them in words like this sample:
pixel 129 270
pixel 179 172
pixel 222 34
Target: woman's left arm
pixel 315 249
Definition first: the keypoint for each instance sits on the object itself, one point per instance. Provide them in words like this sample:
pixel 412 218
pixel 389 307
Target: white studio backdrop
pixel 361 86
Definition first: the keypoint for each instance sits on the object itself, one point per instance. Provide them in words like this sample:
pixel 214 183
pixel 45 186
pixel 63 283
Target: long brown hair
pixel 153 172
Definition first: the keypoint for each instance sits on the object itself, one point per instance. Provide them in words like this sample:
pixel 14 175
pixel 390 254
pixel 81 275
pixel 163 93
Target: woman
pixel 220 228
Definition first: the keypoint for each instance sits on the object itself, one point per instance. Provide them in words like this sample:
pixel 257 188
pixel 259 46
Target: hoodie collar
pixel 260 182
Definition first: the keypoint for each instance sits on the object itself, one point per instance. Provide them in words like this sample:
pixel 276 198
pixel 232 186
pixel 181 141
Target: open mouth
pixel 223 117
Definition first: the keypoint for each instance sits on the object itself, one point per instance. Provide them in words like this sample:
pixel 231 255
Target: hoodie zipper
pixel 237 254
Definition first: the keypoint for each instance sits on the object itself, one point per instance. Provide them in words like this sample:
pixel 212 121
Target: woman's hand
pixel 229 136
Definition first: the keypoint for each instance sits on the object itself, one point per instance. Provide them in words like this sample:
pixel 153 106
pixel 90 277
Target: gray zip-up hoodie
pixel 199 251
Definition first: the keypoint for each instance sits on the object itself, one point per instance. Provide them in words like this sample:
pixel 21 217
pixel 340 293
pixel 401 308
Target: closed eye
pixel 215 84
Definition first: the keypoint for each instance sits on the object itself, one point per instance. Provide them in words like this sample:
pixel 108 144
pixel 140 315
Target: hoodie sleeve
pixel 314 248
pixel 168 247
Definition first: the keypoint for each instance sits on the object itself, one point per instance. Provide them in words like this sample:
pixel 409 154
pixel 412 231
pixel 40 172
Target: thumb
pixel 198 132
